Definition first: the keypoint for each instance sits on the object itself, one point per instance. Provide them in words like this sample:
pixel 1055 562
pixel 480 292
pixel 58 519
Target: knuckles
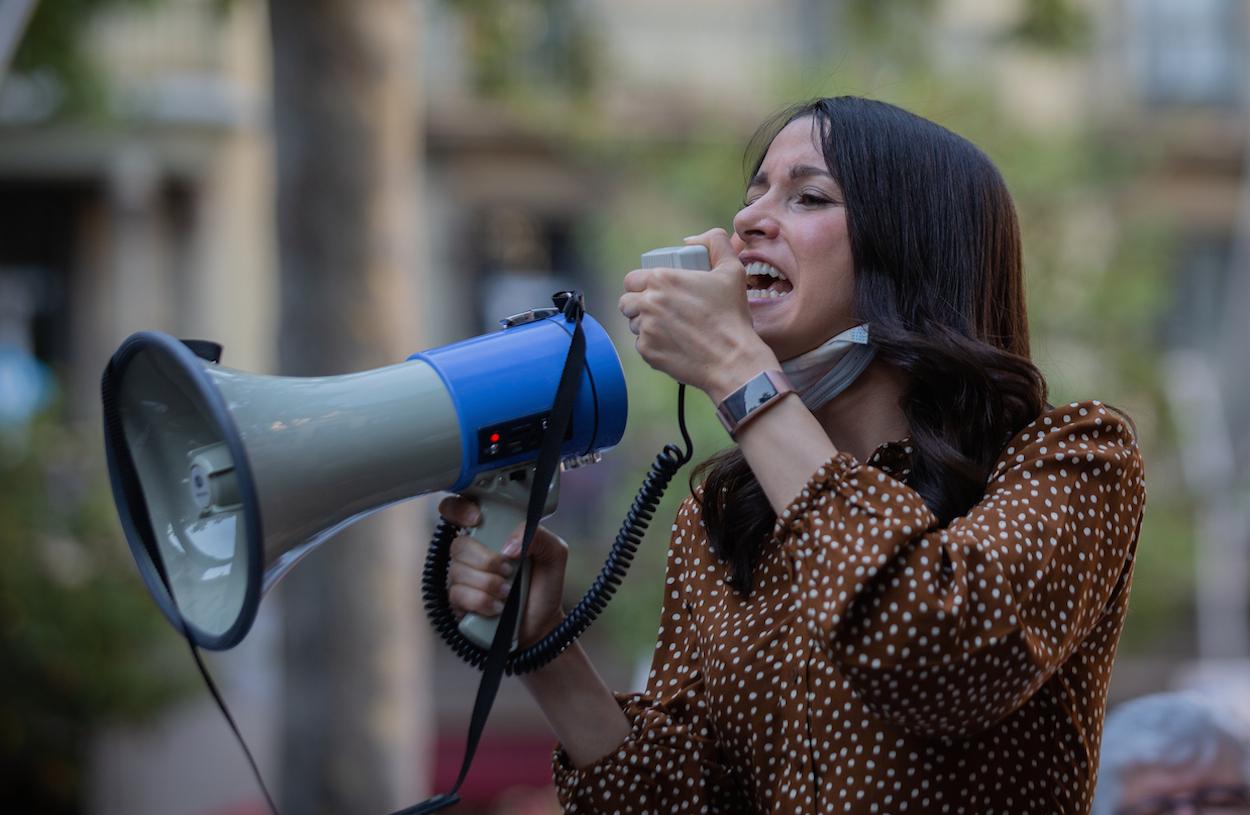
pixel 636 280
pixel 459 510
pixel 465 599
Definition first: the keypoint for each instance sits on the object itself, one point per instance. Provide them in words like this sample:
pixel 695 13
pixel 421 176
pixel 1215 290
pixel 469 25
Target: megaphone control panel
pixel 513 438
pixel 501 385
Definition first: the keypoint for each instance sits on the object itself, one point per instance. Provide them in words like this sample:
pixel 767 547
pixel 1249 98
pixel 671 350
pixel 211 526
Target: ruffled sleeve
pixel 668 763
pixel 948 630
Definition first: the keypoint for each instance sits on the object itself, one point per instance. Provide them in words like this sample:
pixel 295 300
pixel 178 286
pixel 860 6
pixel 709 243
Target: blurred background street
pixel 328 186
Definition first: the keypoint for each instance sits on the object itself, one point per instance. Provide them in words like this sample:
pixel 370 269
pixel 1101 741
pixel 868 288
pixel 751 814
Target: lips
pixel 766 282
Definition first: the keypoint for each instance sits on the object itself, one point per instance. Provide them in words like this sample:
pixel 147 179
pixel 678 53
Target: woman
pixel 904 599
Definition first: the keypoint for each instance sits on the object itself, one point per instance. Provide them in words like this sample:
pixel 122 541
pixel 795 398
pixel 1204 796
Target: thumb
pixel 543 548
pixel 548 547
pixel 720 248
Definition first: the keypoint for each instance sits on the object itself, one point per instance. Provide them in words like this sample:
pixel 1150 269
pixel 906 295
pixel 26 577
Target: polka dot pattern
pixel 883 663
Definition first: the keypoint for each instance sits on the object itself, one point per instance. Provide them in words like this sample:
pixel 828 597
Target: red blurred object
pixel 504 761
pixel 505 765
pixel 255 807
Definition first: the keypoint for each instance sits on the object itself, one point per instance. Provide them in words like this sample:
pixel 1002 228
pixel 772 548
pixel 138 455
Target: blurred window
pixel 523 257
pixel 1189 52
pixel 1199 310
pixel 38 249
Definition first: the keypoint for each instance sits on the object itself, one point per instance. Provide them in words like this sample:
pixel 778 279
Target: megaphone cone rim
pixel 128 491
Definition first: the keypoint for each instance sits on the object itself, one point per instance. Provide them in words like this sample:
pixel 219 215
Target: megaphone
pixel 223 479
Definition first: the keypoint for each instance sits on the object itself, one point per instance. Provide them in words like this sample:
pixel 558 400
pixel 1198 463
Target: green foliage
pixel 528 48
pixel 893 34
pixel 76 626
pixel 53 43
pixel 1161 605
pixel 1057 25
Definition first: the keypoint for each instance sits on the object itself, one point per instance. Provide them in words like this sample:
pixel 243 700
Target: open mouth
pixel 764 282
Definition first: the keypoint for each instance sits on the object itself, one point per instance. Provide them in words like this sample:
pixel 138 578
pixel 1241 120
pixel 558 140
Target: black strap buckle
pixel 571 303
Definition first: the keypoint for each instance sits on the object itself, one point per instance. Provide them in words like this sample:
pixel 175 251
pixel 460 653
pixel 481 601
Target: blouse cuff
pixel 635 708
pixel 859 488
pixel 831 475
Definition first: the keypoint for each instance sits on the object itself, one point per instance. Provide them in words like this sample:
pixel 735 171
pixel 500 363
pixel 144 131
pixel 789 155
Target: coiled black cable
pixel 628 538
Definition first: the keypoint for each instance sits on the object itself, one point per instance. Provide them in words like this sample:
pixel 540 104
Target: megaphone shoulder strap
pixel 545 468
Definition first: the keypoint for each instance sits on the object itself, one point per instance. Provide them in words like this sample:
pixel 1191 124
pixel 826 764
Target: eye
pixel 813 199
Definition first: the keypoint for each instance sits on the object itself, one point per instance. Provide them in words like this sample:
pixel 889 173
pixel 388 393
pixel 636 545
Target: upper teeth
pixel 758 267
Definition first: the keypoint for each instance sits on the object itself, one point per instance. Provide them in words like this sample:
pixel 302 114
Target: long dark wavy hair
pixel 939 280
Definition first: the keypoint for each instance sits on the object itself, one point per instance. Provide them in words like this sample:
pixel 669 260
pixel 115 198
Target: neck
pixel 867 414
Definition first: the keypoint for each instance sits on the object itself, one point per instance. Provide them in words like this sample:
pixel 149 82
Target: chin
pixel 777 342
pixel 771 329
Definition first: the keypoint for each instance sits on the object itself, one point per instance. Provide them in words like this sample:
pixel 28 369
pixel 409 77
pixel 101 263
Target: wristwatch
pixel 758 394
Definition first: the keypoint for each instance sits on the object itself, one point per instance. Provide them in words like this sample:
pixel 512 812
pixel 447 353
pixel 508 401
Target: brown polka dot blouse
pixel 884 663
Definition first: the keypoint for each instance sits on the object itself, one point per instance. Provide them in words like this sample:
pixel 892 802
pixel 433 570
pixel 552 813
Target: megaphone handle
pixel 502 500
pixel 499 519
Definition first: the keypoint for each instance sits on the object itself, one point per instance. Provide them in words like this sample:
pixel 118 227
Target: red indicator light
pixel 494 437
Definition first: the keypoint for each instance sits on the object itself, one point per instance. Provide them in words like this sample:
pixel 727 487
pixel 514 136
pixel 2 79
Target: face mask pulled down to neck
pixel 828 369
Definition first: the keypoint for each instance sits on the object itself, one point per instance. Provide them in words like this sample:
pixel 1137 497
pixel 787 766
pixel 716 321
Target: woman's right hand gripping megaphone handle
pixel 478 578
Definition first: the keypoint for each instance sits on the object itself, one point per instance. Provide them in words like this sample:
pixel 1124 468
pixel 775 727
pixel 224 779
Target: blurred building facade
pixel 156 215
pixel 162 217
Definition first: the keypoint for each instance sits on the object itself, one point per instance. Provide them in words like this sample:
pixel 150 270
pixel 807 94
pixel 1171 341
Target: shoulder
pixel 689 539
pixel 689 535
pixel 688 523
pixel 1086 437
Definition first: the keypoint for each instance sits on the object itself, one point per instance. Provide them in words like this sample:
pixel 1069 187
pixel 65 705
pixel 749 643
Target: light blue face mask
pixel 828 369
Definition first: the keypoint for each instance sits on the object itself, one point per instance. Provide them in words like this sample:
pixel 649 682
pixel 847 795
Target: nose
pixel 756 220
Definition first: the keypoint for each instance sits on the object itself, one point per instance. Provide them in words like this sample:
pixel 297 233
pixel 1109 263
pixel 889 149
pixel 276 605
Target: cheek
pixel 824 240
pixel 830 277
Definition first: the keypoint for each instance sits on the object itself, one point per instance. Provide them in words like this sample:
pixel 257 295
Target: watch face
pixel 754 395
pixel 756 392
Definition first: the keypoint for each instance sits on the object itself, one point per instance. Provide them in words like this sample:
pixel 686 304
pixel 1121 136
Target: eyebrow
pixel 796 172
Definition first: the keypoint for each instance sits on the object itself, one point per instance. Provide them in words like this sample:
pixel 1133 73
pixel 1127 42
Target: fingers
pixel 476 555
pixel 547 547
pixel 630 305
pixel 719 245
pixel 468 600
pixel 478 579
pixel 637 280
pixel 459 510
pixel 492 583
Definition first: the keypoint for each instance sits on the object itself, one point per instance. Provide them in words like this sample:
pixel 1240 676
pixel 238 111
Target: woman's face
pixel 791 236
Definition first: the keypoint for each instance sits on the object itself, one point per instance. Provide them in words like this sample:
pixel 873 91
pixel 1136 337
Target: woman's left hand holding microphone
pixel 695 325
